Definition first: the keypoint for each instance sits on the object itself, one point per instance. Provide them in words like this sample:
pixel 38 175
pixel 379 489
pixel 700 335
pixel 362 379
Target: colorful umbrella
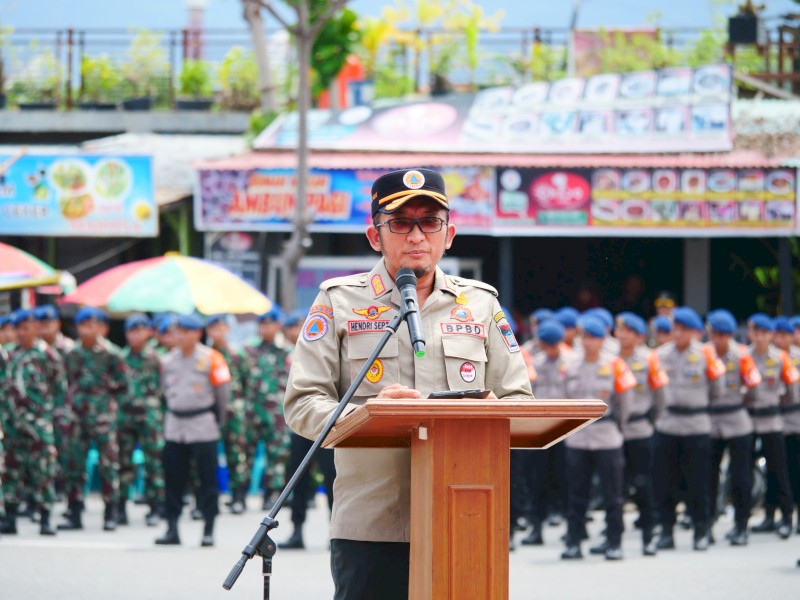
pixel 19 269
pixel 171 283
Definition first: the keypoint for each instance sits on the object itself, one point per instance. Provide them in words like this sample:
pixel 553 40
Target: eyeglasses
pixel 405 225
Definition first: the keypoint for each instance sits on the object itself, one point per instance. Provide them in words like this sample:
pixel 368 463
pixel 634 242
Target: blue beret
pixel 5 320
pixel 633 322
pixel 762 321
pixel 683 315
pixel 89 313
pixel 22 315
pixel 295 317
pixel 783 324
pixel 550 331
pixel 165 322
pixel 273 314
pixel 756 316
pixel 190 322
pixel 721 321
pixel 592 326
pixel 662 324
pixel 137 320
pixel 542 314
pixel 46 312
pixel 567 316
pixel 795 321
pixel 217 318
pixel 603 314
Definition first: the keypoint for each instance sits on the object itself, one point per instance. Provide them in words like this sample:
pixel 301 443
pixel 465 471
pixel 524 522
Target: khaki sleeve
pixel 506 372
pixel 311 392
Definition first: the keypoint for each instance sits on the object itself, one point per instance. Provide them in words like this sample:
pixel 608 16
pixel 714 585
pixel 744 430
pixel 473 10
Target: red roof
pixel 286 159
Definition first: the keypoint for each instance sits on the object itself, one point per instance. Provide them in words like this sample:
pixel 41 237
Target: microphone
pixel 407 284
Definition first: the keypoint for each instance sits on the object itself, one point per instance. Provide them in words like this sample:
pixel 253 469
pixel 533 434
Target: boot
pixel 572 552
pixel 785 529
pixel 9 524
pixel 534 538
pixel 110 518
pixel 739 537
pixel 238 501
pixel 613 552
pixel 648 544
pixel 600 548
pixel 44 523
pixel 767 525
pixel 73 522
pixel 122 512
pixel 296 541
pixel 154 516
pixel 170 538
pixel 665 540
pixel 512 544
pixel 208 533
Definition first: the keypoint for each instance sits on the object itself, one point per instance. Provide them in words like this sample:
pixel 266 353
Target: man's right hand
pixel 397 391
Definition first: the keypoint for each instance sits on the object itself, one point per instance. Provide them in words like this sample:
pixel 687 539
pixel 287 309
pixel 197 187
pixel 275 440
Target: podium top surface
pixel 390 423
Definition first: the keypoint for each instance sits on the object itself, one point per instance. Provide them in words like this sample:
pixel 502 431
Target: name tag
pixel 474 329
pixel 371 326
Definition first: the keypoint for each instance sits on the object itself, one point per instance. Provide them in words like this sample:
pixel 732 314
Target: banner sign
pixel 77 196
pixel 670 110
pixel 647 202
pixel 340 201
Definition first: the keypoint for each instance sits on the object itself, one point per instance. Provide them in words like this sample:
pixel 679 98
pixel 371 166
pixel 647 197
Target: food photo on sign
pixel 543 197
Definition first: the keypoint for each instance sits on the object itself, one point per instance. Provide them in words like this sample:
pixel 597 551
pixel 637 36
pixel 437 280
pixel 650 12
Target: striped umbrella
pixel 171 283
pixel 19 269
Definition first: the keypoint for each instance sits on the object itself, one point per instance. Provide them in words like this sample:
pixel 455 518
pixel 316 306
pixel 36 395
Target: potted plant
pixel 195 89
pixel 145 72
pixel 238 79
pixel 38 89
pixel 100 83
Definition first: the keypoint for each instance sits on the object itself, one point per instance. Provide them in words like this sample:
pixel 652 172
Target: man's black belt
pixel 639 417
pixel 686 411
pixel 186 414
pixel 769 411
pixel 725 409
pixel 790 408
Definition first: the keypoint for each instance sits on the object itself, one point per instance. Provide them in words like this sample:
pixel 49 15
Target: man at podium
pixel 469 344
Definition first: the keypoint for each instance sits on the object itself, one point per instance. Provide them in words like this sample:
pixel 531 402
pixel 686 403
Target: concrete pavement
pixel 126 565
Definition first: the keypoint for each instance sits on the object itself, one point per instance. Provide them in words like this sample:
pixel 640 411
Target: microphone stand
pixel 261 543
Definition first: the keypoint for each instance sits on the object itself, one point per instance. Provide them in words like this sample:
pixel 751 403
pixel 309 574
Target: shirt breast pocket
pixel 464 362
pixel 384 371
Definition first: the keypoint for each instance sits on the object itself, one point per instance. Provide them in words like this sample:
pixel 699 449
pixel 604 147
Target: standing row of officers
pixel 673 413
pixel 165 392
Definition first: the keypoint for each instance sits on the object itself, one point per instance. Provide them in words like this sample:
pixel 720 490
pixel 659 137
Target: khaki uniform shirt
pixel 778 376
pixel 729 417
pixel 469 344
pixel 695 378
pixel 648 393
pixel 192 383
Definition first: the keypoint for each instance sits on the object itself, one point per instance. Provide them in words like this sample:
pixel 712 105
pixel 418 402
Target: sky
pixel 227 13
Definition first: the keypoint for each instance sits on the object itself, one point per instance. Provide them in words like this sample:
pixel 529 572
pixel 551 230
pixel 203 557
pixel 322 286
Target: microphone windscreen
pixel 405 276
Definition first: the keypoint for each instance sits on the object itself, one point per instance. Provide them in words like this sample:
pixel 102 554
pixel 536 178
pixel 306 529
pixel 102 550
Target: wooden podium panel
pixel 460 479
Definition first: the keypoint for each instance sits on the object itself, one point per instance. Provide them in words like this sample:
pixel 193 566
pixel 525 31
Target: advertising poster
pixel 339 200
pixel 533 198
pixel 78 196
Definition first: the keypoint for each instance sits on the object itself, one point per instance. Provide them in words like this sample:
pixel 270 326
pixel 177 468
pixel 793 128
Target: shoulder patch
pixel 357 280
pixel 460 281
pixel 315 328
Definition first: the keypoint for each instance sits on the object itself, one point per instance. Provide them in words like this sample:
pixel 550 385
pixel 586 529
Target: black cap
pixel 391 191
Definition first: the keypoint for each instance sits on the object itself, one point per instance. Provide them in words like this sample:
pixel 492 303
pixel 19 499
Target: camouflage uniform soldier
pixel 5 412
pixel 141 417
pixel 268 384
pixel 97 379
pixel 234 430
pixel 31 458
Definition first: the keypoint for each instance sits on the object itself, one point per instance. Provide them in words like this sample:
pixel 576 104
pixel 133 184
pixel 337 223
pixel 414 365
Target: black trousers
pixel 544 482
pixel 779 493
pixel 324 459
pixel 740 472
pixel 176 457
pixel 370 570
pixel 682 460
pixel 519 492
pixel 792 441
pixel 610 467
pixel 639 476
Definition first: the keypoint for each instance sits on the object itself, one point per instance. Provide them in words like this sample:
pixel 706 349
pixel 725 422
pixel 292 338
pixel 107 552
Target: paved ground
pixel 126 565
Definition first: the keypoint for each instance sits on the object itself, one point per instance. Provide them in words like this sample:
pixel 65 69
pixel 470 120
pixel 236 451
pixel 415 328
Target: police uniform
pixel 196 388
pixel 683 428
pixel 732 428
pixel 598 447
pixel 469 345
pixel 778 376
pixel 790 411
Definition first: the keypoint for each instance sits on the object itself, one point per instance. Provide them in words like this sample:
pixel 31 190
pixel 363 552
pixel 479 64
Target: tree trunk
pixel 295 247
pixel 252 14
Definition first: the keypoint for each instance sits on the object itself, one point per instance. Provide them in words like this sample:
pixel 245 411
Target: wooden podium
pixel 460 479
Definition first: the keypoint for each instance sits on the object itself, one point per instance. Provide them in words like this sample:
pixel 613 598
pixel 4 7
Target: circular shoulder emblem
pixel 461 313
pixel 375 372
pixel 413 180
pixel 315 328
pixel 468 372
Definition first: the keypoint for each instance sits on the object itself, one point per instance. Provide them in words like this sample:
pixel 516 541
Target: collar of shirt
pixel 381 283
